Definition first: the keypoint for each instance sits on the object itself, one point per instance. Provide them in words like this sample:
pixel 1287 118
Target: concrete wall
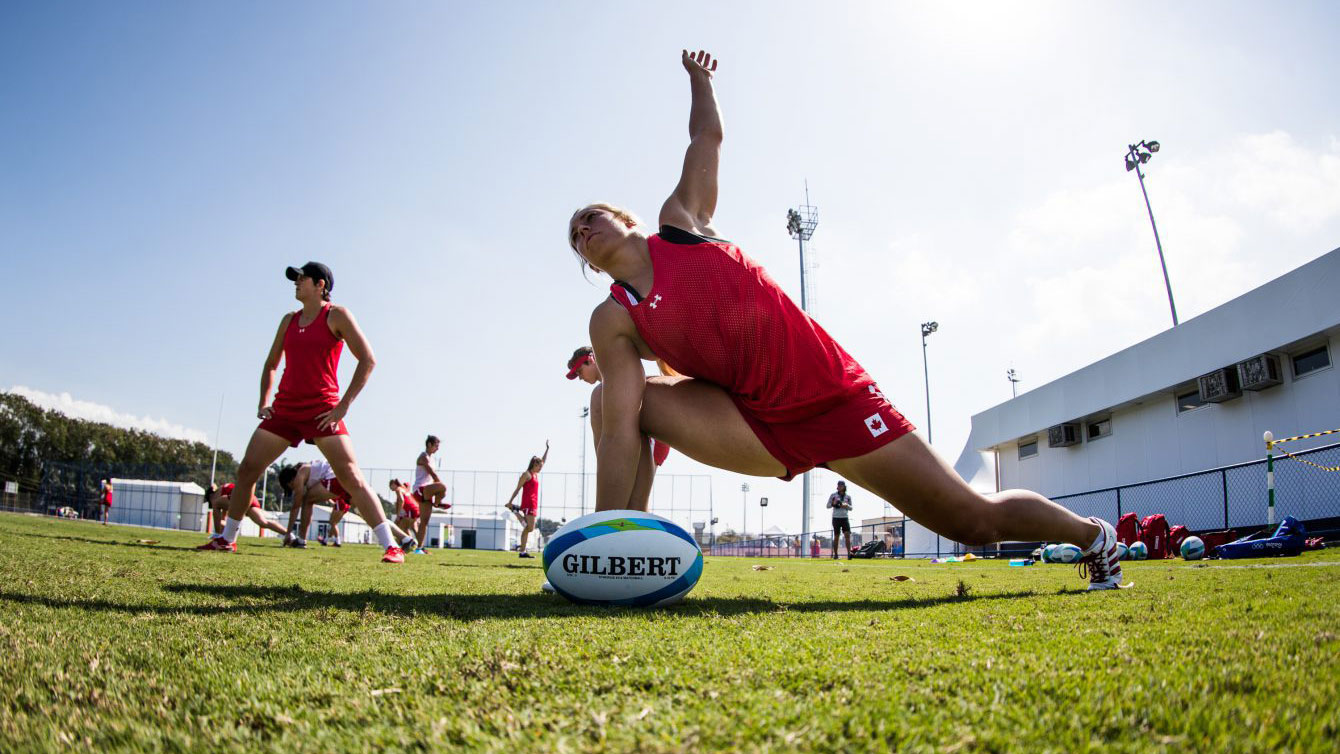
pixel 1150 440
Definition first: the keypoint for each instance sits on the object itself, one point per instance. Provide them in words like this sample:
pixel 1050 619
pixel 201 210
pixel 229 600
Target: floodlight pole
pixel 800 224
pixel 586 413
pixel 744 509
pixel 1135 155
pixel 926 329
pixel 1013 377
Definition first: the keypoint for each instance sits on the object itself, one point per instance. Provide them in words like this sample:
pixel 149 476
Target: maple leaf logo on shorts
pixel 876 425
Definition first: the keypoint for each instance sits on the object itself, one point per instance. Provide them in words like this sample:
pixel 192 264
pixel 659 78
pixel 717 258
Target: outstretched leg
pixel 255 515
pixel 908 474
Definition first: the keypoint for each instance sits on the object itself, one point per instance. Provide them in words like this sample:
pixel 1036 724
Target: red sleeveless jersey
pixel 530 492
pixel 311 360
pixel 715 314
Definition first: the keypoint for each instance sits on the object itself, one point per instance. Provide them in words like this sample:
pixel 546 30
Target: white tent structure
pixel 161 505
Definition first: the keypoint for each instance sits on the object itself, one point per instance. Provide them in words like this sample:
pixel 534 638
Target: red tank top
pixel 311 360
pixel 530 492
pixel 715 314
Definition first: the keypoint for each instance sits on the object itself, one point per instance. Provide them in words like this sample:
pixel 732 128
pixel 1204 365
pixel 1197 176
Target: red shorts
pixel 859 425
pixel 409 508
pixel 659 451
pixel 343 500
pixel 296 429
pixel 530 510
pixel 255 503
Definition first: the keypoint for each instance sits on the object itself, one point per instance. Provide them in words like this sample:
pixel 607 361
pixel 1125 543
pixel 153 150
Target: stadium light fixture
pixel 1137 155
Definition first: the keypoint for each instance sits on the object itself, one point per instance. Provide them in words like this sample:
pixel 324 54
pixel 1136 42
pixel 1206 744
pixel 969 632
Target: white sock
pixel 230 527
pixel 1097 542
pixel 384 536
pixel 408 540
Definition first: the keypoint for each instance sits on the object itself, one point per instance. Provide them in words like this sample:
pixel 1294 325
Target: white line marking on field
pixel 1279 565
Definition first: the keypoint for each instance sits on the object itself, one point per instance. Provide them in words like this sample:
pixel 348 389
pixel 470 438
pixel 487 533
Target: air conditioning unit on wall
pixel 1259 372
pixel 1063 435
pixel 1220 385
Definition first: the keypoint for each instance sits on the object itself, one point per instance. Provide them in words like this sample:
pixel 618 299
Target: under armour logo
pixel 655 300
pixel 876 425
pixel 302 330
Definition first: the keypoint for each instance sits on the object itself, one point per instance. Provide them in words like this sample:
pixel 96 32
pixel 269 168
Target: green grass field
pixel 111 643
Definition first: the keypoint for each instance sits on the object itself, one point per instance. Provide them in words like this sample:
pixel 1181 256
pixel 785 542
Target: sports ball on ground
pixel 1123 552
pixel 1067 554
pixel 1138 551
pixel 1193 548
pixel 1049 554
pixel 623 557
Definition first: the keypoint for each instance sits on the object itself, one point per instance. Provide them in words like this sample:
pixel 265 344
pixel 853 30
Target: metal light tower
pixel 800 223
pixel 744 509
pixel 1013 377
pixel 1137 155
pixel 586 413
pixel 926 329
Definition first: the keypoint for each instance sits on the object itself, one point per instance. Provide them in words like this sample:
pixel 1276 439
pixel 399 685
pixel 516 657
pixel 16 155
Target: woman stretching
pixel 762 388
pixel 308 405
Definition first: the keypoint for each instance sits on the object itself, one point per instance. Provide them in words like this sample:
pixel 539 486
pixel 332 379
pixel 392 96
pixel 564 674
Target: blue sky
pixel 160 164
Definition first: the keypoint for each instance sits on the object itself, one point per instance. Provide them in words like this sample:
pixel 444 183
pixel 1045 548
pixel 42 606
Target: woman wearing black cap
pixel 308 405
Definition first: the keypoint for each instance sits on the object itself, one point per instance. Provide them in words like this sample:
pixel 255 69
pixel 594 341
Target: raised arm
pixel 263 410
pixel 694 201
pixel 344 326
pixel 621 439
pixel 545 457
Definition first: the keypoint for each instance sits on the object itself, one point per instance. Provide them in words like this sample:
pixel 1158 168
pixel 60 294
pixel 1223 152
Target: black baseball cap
pixel 313 270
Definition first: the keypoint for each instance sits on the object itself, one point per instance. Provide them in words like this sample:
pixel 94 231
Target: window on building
pixel 1189 400
pixel 1099 428
pixel 1028 448
pixel 1310 361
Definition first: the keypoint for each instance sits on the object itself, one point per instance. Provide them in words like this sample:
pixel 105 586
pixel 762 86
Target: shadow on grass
pixel 141 545
pixel 469 607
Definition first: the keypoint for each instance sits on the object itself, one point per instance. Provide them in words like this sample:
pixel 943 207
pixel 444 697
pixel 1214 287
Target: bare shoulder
pixel 609 319
pixel 340 313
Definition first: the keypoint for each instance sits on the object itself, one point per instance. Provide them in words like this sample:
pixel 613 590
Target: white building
pixel 162 505
pixel 1195 397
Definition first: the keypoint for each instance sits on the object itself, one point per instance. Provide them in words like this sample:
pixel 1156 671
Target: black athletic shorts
pixel 841 524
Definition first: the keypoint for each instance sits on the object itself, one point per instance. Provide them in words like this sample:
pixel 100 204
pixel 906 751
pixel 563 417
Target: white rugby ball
pixel 1066 553
pixel 1122 551
pixel 1049 553
pixel 623 557
pixel 1193 548
pixel 1138 551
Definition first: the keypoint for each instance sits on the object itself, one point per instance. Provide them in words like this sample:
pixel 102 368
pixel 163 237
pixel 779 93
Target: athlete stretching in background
pixel 308 405
pixel 428 487
pixel 582 365
pixel 315 482
pixel 529 486
pixel 763 389
pixel 407 505
pixel 220 498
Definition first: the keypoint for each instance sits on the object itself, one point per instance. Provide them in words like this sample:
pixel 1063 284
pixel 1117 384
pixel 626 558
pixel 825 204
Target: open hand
pixel 332 417
pixel 699 62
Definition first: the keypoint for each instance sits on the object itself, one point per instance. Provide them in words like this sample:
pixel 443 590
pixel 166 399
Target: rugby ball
pixel 1193 548
pixel 624 558
pixel 1138 551
pixel 1049 554
pixel 1067 554
pixel 1123 552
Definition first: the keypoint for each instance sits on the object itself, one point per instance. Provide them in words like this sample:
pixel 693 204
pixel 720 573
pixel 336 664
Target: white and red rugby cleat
pixel 1102 564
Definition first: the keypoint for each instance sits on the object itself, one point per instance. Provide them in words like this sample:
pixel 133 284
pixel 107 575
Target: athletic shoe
pixel 321 540
pixel 218 544
pixel 334 543
pixel 288 539
pixel 834 556
pixel 525 555
pixel 547 588
pixel 420 551
pixel 394 555
pixel 848 554
pixel 409 543
pixel 1102 565
pixel 299 543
